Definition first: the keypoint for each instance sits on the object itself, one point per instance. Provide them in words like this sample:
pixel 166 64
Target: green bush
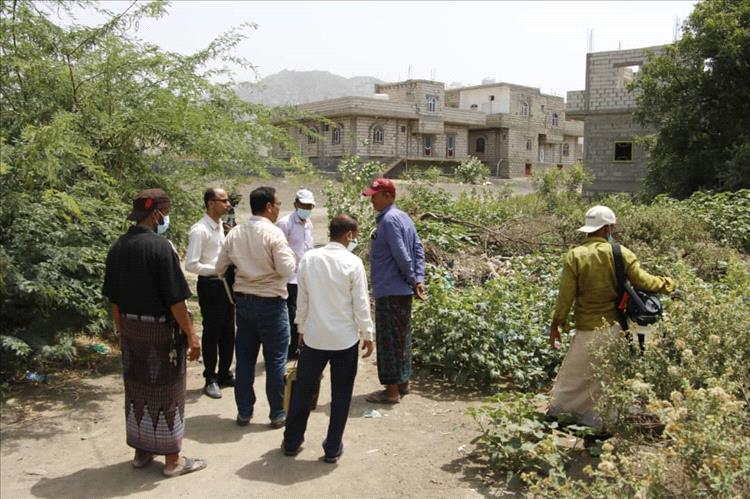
pixel 472 171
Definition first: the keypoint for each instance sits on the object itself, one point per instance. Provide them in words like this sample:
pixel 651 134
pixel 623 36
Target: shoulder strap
pixel 619 269
pixel 620 279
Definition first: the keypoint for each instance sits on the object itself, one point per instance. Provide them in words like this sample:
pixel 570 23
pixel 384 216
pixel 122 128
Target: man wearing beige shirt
pixel 264 263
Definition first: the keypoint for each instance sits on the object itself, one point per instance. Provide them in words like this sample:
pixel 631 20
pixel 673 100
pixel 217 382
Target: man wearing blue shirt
pixel 397 273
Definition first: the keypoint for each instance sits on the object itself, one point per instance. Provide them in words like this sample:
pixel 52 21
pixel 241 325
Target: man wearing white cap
pixel 298 229
pixel 588 279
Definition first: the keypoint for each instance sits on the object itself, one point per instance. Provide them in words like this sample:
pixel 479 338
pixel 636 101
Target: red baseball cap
pixel 380 185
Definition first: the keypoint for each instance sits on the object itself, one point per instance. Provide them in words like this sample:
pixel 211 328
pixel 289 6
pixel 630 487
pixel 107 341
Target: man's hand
pixel 554 336
pixel 194 345
pixel 367 346
pixel 419 290
pixel 300 339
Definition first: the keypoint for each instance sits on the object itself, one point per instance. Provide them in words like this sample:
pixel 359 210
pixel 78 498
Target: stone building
pixel 513 129
pixel 613 155
pixel 525 130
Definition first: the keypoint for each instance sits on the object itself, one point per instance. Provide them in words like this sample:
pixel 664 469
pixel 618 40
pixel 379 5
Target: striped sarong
pixel 393 338
pixel 153 368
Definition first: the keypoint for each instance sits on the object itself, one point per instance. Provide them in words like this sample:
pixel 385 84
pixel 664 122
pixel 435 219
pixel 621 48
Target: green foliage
pixel 515 435
pixel 472 171
pixel 346 196
pixel 494 332
pixel 696 98
pixel 90 117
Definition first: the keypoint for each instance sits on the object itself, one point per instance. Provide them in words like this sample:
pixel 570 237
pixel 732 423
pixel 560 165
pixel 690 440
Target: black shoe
pixel 226 381
pixel 333 459
pixel 242 421
pixel 279 422
pixel 290 453
pixel 212 389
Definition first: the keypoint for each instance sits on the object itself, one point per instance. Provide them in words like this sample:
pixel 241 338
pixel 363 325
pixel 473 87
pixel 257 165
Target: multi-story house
pixel 419 123
pixel 613 155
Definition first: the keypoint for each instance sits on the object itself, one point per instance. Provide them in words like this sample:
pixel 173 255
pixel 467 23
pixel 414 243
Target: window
pixel 427 142
pixel 473 106
pixel 480 145
pixel 312 135
pixel 450 146
pixel 623 151
pixel 336 135
pixel 527 169
pixel 326 128
pixel 566 150
pixel 403 129
pixel 524 108
pixel 555 119
pixel 492 97
pixel 431 103
pixel 528 144
pixel 378 135
pixel 542 108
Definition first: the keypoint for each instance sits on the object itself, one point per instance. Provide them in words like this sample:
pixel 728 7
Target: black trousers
pixel 218 327
pixel 291 305
pixel 311 365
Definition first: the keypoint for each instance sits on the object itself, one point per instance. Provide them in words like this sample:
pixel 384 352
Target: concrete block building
pixel 613 155
pixel 525 130
pixel 514 130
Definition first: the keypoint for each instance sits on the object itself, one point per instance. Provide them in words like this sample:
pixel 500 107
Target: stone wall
pixel 602 131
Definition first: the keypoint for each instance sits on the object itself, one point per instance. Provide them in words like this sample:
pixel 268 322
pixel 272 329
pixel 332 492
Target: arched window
pixel 378 135
pixel 480 145
pixel 555 119
pixel 524 108
pixel 336 135
pixel 312 135
pixel 450 146
pixel 431 103
pixel 528 144
pixel 427 144
pixel 566 149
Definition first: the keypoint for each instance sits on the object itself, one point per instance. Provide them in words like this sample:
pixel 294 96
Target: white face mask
pixel 163 226
pixel 352 245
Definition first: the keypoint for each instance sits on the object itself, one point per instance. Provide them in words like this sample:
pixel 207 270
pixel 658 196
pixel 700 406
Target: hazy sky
pixel 541 44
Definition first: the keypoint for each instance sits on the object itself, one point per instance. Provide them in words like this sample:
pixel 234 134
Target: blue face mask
pixel 163 226
pixel 304 214
pixel 610 238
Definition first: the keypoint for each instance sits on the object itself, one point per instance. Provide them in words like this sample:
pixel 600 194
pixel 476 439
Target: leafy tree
pixel 90 116
pixel 696 95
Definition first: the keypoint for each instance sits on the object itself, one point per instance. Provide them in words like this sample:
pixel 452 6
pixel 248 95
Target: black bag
pixel 641 307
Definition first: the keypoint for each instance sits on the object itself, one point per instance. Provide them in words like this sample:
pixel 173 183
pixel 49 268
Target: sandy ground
pixel 67 438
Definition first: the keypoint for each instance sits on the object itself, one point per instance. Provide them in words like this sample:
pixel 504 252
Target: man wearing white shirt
pixel 333 310
pixel 298 230
pixel 217 309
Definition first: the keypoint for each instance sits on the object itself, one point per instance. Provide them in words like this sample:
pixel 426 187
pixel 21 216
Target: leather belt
pixel 256 297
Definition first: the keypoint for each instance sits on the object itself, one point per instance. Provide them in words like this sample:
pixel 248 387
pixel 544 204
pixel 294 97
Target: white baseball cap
pixel 597 217
pixel 305 197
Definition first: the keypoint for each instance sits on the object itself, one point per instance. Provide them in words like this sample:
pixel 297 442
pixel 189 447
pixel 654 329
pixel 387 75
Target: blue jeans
pixel 261 321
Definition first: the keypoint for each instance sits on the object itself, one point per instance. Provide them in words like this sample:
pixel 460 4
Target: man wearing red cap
pixel 147 290
pixel 397 273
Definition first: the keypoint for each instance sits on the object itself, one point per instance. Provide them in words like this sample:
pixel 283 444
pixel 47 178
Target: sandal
pixel 188 465
pixel 403 388
pixel 143 461
pixel 381 398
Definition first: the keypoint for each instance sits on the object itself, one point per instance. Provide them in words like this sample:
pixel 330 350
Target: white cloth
pixel 333 304
pixel 205 242
pixel 575 390
pixel 299 234
pixel 262 256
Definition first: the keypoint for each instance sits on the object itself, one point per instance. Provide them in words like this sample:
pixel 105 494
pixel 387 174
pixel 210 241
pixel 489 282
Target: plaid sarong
pixel 393 338
pixel 153 368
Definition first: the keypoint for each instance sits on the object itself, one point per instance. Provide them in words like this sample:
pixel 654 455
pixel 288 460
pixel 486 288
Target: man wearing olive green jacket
pixel 588 279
